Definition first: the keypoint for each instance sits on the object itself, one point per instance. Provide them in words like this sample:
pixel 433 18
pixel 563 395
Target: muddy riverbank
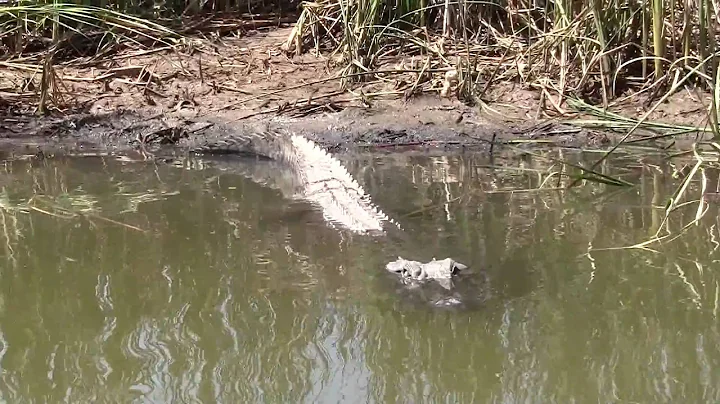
pixel 419 126
pixel 198 93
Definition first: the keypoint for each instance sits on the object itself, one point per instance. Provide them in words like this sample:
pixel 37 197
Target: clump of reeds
pixel 34 37
pixel 38 24
pixel 592 48
pixel 587 52
pixel 29 26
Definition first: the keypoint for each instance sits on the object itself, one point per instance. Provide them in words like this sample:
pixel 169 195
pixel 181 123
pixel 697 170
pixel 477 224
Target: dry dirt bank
pixel 201 91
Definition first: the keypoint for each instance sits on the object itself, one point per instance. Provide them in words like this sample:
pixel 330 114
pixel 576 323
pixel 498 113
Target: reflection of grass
pixel 72 206
pixel 541 179
pixel 79 204
pixel 6 205
pixel 446 188
pixel 51 199
pixel 704 156
pixel 504 205
pixel 133 200
pixel 10 229
pixel 64 205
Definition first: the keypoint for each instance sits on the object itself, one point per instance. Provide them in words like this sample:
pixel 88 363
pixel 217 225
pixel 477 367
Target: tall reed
pixel 53 20
pixel 567 46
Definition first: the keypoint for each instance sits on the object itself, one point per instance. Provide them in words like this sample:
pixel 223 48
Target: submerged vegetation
pixel 581 57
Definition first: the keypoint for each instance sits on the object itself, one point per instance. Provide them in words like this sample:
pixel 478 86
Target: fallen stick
pixel 125 71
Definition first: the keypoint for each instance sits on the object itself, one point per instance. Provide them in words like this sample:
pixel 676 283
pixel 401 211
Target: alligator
pixel 442 271
pixel 301 169
pixel 443 284
pixel 310 174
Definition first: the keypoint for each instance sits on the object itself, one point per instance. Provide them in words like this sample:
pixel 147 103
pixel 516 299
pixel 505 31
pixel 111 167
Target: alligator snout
pixel 435 269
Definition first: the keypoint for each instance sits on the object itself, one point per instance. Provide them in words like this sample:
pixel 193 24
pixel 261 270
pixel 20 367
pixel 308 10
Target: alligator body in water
pixel 309 173
pixel 301 169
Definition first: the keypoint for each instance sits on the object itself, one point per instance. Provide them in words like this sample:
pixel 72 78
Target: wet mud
pixel 161 134
pixel 247 82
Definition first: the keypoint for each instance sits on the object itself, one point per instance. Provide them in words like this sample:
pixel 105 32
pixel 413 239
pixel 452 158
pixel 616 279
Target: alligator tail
pixel 321 179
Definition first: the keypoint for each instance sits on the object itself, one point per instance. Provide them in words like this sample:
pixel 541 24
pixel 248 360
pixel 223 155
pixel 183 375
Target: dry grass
pixel 593 50
pixel 580 55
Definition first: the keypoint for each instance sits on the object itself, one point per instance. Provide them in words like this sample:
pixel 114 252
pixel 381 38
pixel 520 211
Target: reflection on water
pixel 140 282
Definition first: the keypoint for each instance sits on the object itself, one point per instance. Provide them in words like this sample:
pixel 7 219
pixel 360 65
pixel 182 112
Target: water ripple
pixel 146 344
pixel 105 303
pixel 235 297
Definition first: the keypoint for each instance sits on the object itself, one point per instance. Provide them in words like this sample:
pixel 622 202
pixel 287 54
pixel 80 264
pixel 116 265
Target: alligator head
pixel 442 271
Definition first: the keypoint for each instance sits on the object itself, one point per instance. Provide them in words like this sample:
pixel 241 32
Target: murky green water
pixel 136 282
